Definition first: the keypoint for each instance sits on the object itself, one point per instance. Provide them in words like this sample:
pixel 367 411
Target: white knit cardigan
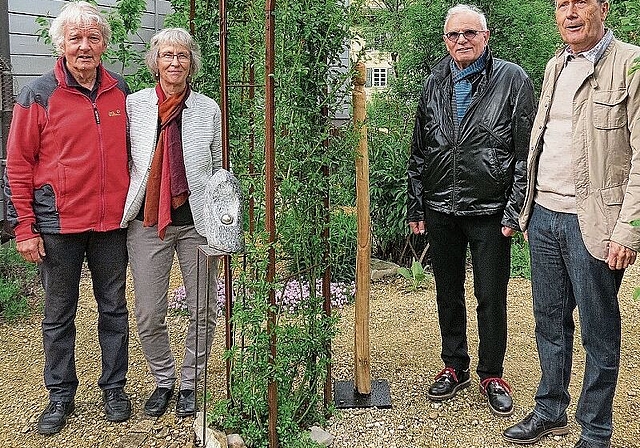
pixel 201 147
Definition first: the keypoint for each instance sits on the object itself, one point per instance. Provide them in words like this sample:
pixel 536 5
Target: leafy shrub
pixel 389 134
pixel 343 239
pixel 17 279
pixel 298 235
pixel 520 260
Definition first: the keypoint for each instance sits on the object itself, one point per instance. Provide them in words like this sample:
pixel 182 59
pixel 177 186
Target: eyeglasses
pixel 168 57
pixel 453 36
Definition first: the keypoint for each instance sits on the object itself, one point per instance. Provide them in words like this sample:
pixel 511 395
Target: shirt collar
pixel 593 55
pixel 72 82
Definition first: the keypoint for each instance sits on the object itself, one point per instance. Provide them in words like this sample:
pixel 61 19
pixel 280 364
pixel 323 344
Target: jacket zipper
pixel 102 165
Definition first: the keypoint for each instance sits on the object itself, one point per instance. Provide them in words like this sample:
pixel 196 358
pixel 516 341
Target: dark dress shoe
pixel 532 428
pixel 447 383
pixel 186 403
pixel 586 444
pixel 54 417
pixel 117 405
pixel 158 402
pixel 498 395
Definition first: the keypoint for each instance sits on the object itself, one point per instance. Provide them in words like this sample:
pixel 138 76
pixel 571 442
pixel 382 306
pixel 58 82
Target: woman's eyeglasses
pixel 168 57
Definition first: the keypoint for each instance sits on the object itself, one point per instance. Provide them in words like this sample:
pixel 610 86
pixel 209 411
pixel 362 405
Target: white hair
pixel 78 14
pixel 460 8
pixel 172 36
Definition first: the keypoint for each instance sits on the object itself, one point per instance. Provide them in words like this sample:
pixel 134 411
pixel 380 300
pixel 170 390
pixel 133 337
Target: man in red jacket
pixel 67 180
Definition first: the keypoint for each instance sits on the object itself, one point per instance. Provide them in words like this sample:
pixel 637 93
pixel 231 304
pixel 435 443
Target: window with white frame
pixel 378 77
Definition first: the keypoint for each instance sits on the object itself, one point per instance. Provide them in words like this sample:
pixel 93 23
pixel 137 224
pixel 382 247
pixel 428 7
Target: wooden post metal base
pixel 346 396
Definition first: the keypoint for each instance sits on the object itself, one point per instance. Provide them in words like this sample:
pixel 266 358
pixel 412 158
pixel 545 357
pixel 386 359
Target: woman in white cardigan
pixel 175 149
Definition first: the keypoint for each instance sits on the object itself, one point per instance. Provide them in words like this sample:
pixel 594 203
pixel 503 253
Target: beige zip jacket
pixel 606 149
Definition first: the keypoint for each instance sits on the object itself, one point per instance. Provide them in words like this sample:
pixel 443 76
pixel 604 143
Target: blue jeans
pixel 565 275
pixel 106 255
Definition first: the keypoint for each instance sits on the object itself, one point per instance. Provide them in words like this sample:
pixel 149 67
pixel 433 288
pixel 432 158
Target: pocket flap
pixel 613 195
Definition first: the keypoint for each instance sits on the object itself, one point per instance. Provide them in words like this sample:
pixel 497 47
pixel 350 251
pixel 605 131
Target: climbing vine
pixel 311 80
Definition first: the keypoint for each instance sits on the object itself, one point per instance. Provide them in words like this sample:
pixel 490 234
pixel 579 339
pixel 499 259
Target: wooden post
pixel 363 255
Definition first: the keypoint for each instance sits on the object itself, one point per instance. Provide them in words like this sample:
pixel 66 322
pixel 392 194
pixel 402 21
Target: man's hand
pixel 508 231
pixel 417 227
pixel 32 249
pixel 619 256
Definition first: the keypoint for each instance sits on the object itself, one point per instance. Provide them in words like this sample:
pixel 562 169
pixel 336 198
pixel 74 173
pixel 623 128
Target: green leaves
pixel 416 276
pixel 18 278
pixel 310 159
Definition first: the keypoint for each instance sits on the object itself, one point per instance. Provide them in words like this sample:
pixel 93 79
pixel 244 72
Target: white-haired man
pixel 466 177
pixel 67 180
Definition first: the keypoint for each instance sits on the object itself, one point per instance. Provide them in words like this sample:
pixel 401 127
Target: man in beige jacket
pixel 583 192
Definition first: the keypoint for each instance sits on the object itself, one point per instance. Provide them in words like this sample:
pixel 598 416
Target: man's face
pixel 83 48
pixel 581 22
pixel 465 51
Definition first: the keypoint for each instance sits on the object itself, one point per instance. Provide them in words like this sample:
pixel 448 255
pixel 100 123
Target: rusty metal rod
pixel 326 278
pixel 224 108
pixel 270 224
pixel 192 17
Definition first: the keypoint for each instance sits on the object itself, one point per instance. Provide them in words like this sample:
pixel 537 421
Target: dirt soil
pixel 405 351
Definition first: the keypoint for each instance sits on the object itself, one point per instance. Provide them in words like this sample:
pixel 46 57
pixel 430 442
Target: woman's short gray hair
pixel 460 8
pixel 172 36
pixel 78 14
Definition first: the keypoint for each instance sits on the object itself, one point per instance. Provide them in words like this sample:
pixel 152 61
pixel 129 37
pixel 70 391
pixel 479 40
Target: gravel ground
pixel 404 351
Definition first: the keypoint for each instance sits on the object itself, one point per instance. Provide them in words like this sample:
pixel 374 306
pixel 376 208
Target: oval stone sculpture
pixel 223 213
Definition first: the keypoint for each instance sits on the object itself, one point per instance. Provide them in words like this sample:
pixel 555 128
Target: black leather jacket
pixel 482 170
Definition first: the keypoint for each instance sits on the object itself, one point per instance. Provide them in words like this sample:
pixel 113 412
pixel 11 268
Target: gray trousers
pixel 60 272
pixel 151 259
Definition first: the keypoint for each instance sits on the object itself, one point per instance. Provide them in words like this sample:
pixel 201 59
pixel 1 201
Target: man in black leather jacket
pixel 466 177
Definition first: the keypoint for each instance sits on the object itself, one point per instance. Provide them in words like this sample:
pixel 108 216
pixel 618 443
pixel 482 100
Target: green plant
pixel 389 134
pixel 416 276
pixel 17 280
pixel 520 259
pixel 309 157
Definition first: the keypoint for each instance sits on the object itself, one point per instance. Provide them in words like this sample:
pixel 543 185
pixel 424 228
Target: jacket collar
pixel 106 80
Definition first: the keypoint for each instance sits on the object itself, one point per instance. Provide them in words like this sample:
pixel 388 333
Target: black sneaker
pixel 186 403
pixel 157 403
pixel 117 406
pixel 498 395
pixel 447 383
pixel 54 417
